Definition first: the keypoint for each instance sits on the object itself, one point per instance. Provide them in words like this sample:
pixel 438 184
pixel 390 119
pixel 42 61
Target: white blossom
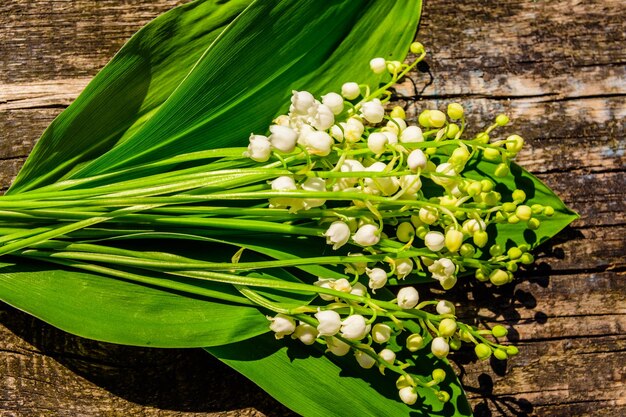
pixel 365 360
pixel 403 267
pixel 447 174
pixel 411 184
pixel 325 283
pixel 282 325
pixel 373 111
pixel 259 148
pixel 359 289
pixel 306 333
pixel 338 234
pixel 376 142
pixel 396 125
pixel 440 347
pixel 283 138
pixel 318 143
pixel 435 241
pixel 322 118
pixel 378 65
pixel 411 134
pixel 428 215
pixel 301 102
pixel 353 130
pixel 408 297
pixel 445 307
pixel 313 184
pixel 367 235
pixel 442 268
pixel 408 395
pixel 329 322
pixel 387 355
pixel 377 276
pixel 334 102
pixel 354 327
pixel 342 285
pixel 416 160
pixel 357 268
pixel 381 333
pixel 337 347
pixel 350 90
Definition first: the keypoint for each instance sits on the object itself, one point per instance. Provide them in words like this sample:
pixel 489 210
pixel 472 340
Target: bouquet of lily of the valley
pixel 237 178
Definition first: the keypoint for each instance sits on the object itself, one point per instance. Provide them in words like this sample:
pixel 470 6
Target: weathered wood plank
pixel 556 67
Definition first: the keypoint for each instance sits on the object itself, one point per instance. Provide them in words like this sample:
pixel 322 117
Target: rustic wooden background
pixel 557 67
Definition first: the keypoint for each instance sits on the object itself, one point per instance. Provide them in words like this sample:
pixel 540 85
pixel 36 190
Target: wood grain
pixel 557 67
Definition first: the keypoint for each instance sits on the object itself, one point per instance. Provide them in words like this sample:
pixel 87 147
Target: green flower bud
pixel 548 211
pixel 514 253
pixel 447 327
pixel 524 247
pixel 482 137
pixel 452 130
pixel 481 276
pixel 509 207
pixel 430 151
pixel 523 212
pixel 455 343
pixel 500 354
pixel 467 250
pixel 439 375
pixel 491 154
pixel 534 223
pixel 443 396
pixel 499 277
pixel 482 351
pixel 459 156
pixel 537 208
pixel 500 217
pixel 421 232
pixel 405 231
pixel 487 185
pixel 499 331
pixel 492 198
pixel 502 170
pixel 465 336
pixel 424 118
pixel 455 111
pixel 397 112
pixel 519 196
pixel 480 238
pixel 513 219
pixel 394 67
pixel 414 342
pixel 416 48
pixel 512 350
pixel 502 120
pixel 511 266
pixel 496 250
pixel 474 188
pixel 460 215
pixel 527 259
pixel 436 118
pixel 453 240
pixel 514 143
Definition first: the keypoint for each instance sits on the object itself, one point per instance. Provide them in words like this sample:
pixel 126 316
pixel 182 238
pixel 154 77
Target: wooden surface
pixel 557 67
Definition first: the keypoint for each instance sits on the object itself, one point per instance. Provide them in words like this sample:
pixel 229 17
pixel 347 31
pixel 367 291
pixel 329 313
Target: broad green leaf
pixel 118 311
pixel 315 385
pixel 127 91
pixel 246 76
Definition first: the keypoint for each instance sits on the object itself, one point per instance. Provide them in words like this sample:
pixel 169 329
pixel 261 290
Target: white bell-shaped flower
pixel 408 395
pixel 472 226
pixel 323 117
pixel 373 111
pixel 284 183
pixel 282 325
pixel 395 125
pixel 367 235
pixel 408 297
pixel 403 267
pixel 387 355
pixel 385 185
pixel 445 307
pixel 442 269
pixel 334 102
pixel 319 143
pixel 305 333
pixel 301 102
pixel 283 138
pixel 336 131
pixel 342 285
pixel 428 215
pixel 435 241
pixel 283 120
pixel 353 130
pixel 381 333
pixel 350 90
pixel 412 134
pixel 259 148
pixel 378 65
pixel 378 278
pixel 365 361
pixel 359 289
pixel 338 234
pixel 439 347
pixel 329 322
pixel 376 142
pixel 446 177
pixel 325 283
pixel 417 160
pixel 313 184
pixel 337 347
pixel 354 327
pixel 411 184
pixel 392 137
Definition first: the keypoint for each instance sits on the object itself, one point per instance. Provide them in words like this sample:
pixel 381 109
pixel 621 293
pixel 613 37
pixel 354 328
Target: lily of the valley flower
pixel 373 111
pixel 367 235
pixel 408 297
pixel 411 134
pixel 259 148
pixel 301 102
pixel 305 333
pixel 381 333
pixel 354 327
pixel 378 278
pixel 378 65
pixel 338 234
pixel 444 270
pixel 336 346
pixel 350 90
pixel 283 138
pixel 334 102
pixel 435 241
pixel 282 325
pixel 329 322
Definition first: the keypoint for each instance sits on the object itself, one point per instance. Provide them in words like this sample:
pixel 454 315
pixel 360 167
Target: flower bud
pixel 376 142
pixel 439 347
pixel 439 375
pixel 445 307
pixel 523 212
pixel 502 170
pixel 502 120
pixel 447 174
pixel 334 102
pixel 378 278
pixel 283 138
pixel 414 342
pixel 491 154
pixel 394 67
pixel 301 101
pixel 448 282
pixel 381 333
pixel 319 143
pixel 282 325
pixel 435 241
pixel 259 148
pixel 365 361
pixel 350 90
pixel 403 267
pixel 447 327
pixel 322 118
pixel 373 111
pixel 467 250
pixel 408 395
pixel 405 231
pixel 337 347
pixel 499 277
pixel 395 125
pixel 480 238
pixel 337 234
pixel 306 333
pixel 378 65
pixel 500 354
pixel 514 143
pixel 436 118
pixel 408 297
pixel 499 331
pixel 443 396
pixel 459 156
pixel 428 215
pixel 455 111
pixel 527 259
pixel 533 224
pixel 329 322
pixel 424 118
pixel 482 351
pixel 453 240
pixel 367 235
pixel 388 356
pixel 416 160
pixel 514 253
pixel 455 343
pixel 411 184
pixel 398 113
pixel 354 327
pixel 416 48
pixel 512 350
pixel 519 196
pixel 411 134
pixel 548 211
